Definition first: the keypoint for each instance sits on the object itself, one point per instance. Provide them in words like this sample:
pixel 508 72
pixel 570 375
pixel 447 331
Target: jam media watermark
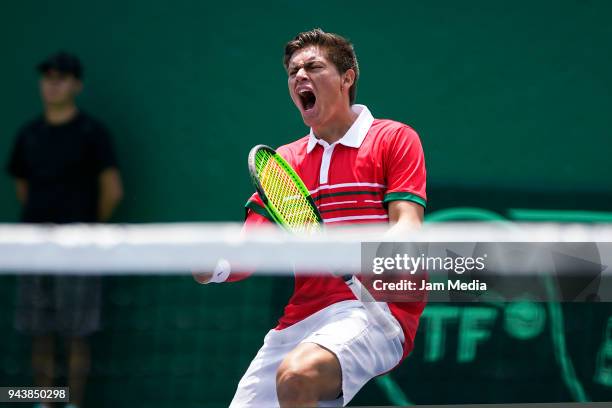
pixel 498 271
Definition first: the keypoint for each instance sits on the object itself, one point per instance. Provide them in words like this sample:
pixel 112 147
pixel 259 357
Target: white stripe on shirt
pixel 356 217
pixel 332 186
pixel 338 202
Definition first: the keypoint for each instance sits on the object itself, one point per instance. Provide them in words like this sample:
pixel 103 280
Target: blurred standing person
pixel 65 171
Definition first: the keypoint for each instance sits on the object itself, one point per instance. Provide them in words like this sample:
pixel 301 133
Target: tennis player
pixel 358 170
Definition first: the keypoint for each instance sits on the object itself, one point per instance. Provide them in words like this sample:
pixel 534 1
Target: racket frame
pixel 274 213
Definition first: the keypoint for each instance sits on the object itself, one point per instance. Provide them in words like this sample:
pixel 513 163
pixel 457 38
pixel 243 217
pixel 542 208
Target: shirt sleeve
pixel 404 165
pixel 255 205
pixel 103 150
pixel 16 165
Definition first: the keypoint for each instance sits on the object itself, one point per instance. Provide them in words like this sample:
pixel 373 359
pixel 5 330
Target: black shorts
pixel 65 305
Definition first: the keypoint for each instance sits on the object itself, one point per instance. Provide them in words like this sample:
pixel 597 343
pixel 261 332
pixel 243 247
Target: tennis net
pixel 164 340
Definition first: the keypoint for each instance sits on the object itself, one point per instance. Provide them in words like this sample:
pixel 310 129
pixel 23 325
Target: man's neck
pixel 337 127
pixel 58 115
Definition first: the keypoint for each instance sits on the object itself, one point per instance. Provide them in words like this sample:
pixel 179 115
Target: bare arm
pixel 21 190
pixel 405 216
pixel 252 221
pixel 110 193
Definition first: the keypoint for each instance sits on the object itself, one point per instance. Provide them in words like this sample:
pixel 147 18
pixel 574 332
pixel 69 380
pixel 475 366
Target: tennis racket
pixel 290 204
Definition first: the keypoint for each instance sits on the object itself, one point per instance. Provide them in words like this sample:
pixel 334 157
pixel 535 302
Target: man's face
pixel 315 85
pixel 59 88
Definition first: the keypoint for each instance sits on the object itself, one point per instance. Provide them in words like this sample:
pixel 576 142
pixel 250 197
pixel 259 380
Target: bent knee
pixel 314 378
pixel 295 382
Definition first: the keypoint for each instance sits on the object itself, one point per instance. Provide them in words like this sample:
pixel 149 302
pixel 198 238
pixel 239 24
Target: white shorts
pixel 343 328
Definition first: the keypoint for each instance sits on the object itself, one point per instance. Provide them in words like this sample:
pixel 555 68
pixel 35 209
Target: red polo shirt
pixel 351 182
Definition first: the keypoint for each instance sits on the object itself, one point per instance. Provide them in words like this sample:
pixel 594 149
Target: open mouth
pixel 308 99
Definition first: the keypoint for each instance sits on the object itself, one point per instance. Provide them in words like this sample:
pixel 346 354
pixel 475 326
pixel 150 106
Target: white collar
pixel 354 136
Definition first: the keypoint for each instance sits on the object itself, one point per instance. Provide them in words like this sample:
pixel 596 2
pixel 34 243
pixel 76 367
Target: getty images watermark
pixel 472 271
pixel 405 263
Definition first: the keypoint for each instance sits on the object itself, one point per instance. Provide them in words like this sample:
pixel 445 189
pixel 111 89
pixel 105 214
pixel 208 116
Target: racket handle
pixel 374 309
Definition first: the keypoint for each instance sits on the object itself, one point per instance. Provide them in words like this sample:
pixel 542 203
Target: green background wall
pixel 512 101
pixel 504 94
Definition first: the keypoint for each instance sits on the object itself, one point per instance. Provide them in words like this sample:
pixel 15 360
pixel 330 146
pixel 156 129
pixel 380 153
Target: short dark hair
pixel 63 62
pixel 340 52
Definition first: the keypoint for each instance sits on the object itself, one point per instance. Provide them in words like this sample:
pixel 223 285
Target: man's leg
pixel 79 364
pixel 336 359
pixel 78 311
pixel 43 360
pixel 308 374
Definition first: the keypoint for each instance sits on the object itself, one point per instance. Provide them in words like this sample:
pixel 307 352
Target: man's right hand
pixel 202 277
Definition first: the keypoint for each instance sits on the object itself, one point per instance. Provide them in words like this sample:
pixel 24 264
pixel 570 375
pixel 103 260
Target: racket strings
pixel 283 193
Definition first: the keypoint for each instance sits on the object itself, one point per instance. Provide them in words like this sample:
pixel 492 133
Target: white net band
pixel 182 248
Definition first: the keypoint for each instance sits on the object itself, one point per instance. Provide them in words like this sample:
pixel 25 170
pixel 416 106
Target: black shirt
pixel 61 164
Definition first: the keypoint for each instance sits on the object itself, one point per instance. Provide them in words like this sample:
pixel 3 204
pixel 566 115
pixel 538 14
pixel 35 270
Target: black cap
pixel 62 62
